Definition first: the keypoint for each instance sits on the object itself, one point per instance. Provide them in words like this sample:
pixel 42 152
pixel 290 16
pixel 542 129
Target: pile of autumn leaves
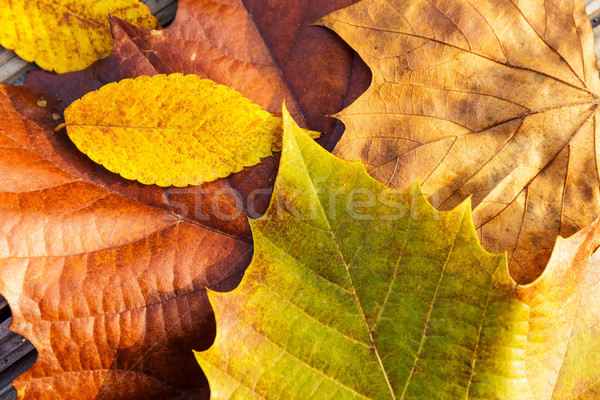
pixel 357 288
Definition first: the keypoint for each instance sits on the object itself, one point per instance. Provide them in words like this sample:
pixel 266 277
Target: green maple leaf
pixel 358 291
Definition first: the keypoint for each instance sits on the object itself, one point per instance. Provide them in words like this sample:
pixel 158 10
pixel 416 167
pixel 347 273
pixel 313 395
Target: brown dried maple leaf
pixel 494 99
pixel 107 277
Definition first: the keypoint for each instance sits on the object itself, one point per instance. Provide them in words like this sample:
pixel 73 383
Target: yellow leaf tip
pixel 325 21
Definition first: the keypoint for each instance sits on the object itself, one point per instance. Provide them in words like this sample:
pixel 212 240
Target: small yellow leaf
pixel 66 35
pixel 172 129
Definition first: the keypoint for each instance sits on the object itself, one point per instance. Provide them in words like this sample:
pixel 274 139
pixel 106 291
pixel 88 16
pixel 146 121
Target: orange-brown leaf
pixel 110 289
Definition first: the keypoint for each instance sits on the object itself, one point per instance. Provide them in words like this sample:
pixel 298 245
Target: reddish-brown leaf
pixel 250 49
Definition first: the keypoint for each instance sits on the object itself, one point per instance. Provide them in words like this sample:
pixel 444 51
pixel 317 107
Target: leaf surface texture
pixel 66 35
pixel 494 99
pixel 172 130
pixel 389 299
pixel 110 290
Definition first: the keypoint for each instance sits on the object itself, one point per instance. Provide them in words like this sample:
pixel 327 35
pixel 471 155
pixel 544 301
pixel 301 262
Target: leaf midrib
pixel 429 312
pixel 276 63
pixel 346 266
pixel 355 295
pixel 136 127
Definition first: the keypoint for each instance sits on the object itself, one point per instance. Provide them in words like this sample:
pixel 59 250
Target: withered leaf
pixel 494 99
pixel 64 35
pixel 110 290
pixel 172 130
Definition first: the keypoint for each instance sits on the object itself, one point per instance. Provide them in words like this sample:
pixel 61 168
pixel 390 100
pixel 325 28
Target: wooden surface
pixel 16 353
pixel 593 9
